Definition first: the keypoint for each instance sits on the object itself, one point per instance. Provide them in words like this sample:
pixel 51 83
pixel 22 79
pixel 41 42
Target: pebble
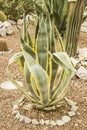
pixel 82 73
pixel 9 30
pixel 19 101
pixel 70 102
pixel 71 113
pixel 19 27
pixel 21 118
pixel 1 24
pixel 3 31
pixel 28 107
pixel 41 122
pixel 74 108
pixel 66 119
pixel 27 120
pixel 19 21
pixel 76 124
pixel 82 54
pixel 17 116
pixel 8 85
pixel 6 24
pixel 47 122
pixel 12 22
pixel 15 112
pixel 15 107
pixel 35 122
pixel 53 123
pixel 5 28
pixel 74 61
pixel 84 64
pixel 60 122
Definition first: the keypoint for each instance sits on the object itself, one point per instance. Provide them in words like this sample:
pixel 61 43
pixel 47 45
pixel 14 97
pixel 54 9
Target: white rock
pixel 8 85
pixel 20 100
pixel 60 122
pixel 19 27
pixel 82 73
pixel 21 118
pixel 6 24
pixel 28 107
pixel 74 61
pixel 84 29
pixel 1 24
pixel 9 30
pixel 41 122
pixel 66 119
pixel 30 17
pixel 27 17
pixel 84 64
pixel 74 108
pixel 27 120
pixel 47 122
pixel 17 116
pixel 15 107
pixel 76 124
pixel 14 112
pixel 71 113
pixel 6 52
pixel 53 123
pixel 35 122
pixel 19 21
pixel 3 31
pixel 70 102
pixel 12 22
pixel 82 53
pixel 84 24
pixel 85 12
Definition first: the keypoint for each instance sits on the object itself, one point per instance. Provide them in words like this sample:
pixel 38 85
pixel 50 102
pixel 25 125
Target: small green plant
pixel 2 16
pixel 47 72
pixel 16 8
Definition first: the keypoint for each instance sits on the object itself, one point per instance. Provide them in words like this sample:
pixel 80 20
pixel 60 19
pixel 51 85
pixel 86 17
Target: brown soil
pixel 77 93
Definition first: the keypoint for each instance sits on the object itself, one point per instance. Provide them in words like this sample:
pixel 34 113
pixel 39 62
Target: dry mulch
pixel 77 93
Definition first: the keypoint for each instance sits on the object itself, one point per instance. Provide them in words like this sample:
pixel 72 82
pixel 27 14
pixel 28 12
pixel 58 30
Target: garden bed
pixel 77 93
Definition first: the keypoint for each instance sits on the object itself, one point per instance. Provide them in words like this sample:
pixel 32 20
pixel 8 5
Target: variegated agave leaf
pixel 61 88
pixel 40 77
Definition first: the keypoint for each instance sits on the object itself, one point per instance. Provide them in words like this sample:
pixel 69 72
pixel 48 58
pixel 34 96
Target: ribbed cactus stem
pixel 67 37
pixel 74 21
pixel 3 45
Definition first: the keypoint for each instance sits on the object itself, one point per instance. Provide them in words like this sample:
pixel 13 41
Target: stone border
pixel 6 52
pixel 65 119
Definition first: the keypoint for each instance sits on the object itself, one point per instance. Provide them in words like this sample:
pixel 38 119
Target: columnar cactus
pixel 74 21
pixel 3 45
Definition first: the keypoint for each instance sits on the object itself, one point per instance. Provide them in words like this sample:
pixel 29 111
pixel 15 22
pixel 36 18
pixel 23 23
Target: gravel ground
pixel 77 93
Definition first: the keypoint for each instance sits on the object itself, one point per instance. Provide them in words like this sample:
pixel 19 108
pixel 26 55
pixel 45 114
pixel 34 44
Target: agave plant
pixel 47 72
